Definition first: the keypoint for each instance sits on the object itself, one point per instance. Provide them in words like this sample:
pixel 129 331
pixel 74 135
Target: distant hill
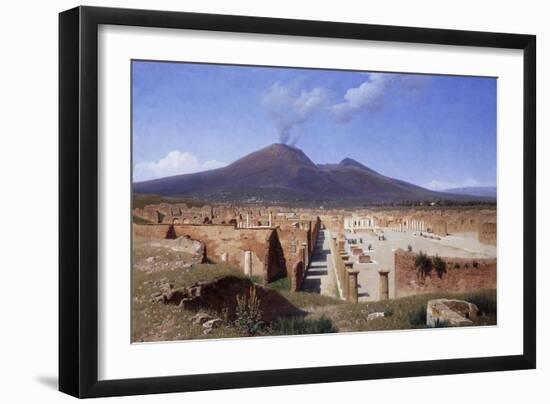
pixel 489 192
pixel 283 174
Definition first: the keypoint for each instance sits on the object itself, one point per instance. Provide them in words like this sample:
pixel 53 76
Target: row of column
pixel 361 223
pixel 415 225
pixel 246 223
pixel 346 274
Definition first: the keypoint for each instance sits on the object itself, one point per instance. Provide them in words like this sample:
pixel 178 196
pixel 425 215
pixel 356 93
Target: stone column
pixel 353 288
pixel 247 221
pixel 248 263
pixel 348 292
pixel 305 259
pixel 341 244
pixel 270 219
pixel 342 272
pixel 224 257
pixel 383 284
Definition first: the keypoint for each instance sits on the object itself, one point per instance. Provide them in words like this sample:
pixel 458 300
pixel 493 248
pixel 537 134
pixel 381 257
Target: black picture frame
pixel 78 200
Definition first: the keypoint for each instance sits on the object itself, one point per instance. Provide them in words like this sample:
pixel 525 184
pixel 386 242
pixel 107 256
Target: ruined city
pixel 271 201
pixel 237 270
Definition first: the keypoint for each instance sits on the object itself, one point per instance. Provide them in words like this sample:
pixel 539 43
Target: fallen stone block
pixel 357 251
pixel 375 315
pixel 201 318
pixel 364 259
pixel 214 323
pixel 450 312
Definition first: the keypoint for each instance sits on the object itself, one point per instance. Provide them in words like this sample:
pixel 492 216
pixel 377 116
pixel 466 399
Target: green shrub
pixel 423 264
pixel 486 304
pixel 300 325
pixel 475 264
pixel 280 284
pixel 248 313
pixel 457 265
pixel 417 318
pixel 440 266
pixel 257 279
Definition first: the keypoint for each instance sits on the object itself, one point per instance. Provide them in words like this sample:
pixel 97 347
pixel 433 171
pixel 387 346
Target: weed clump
pixel 417 318
pixel 423 264
pixel 248 313
pixel 440 266
pixel 300 325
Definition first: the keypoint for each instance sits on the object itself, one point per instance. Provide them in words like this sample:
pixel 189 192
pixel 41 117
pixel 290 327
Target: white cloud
pixel 174 163
pixel 437 185
pixel 289 106
pixel 370 95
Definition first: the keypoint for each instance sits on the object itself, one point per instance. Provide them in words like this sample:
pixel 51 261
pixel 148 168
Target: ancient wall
pixel 297 276
pixel 221 239
pixel 463 275
pixel 292 240
pixel 334 223
pixel 151 232
pixel 488 233
pixel 438 227
pixel 315 228
pixel 298 244
pixel 148 213
pixel 277 266
pixel 468 221
pixel 267 255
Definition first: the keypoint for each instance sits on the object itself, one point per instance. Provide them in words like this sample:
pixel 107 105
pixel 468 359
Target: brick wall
pixel 438 227
pixel 471 274
pixel 292 239
pixel 297 276
pixel 267 254
pixel 488 233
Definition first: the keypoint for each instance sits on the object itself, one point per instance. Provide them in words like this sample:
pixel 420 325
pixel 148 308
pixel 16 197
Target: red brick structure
pixel 364 259
pixel 463 275
pixel 267 254
pixel 438 226
pixel 297 276
pixel 488 233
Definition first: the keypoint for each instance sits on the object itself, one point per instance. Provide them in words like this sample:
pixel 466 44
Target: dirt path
pixel 320 275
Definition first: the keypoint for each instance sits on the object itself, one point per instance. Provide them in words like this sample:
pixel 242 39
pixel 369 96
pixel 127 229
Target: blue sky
pixel 435 131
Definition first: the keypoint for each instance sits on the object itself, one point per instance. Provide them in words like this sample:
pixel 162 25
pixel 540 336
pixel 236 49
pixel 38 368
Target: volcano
pixel 282 174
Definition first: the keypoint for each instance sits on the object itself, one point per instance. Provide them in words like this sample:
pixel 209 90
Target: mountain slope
pixel 284 174
pixel 490 192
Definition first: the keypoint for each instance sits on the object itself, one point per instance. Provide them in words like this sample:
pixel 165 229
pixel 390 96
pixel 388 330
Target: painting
pixel 272 201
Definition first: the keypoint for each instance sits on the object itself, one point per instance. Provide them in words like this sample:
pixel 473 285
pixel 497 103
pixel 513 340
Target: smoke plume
pixel 370 95
pixel 288 107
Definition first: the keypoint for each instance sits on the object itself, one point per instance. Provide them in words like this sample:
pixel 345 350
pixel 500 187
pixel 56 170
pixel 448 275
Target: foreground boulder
pixel 448 312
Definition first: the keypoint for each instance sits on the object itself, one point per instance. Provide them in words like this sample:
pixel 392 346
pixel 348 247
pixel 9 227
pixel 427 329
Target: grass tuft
pixel 300 325
pixel 417 317
pixel 280 284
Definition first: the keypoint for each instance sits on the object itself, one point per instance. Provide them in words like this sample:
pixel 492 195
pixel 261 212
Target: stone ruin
pixel 450 313
pixel 220 296
pixel 186 244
